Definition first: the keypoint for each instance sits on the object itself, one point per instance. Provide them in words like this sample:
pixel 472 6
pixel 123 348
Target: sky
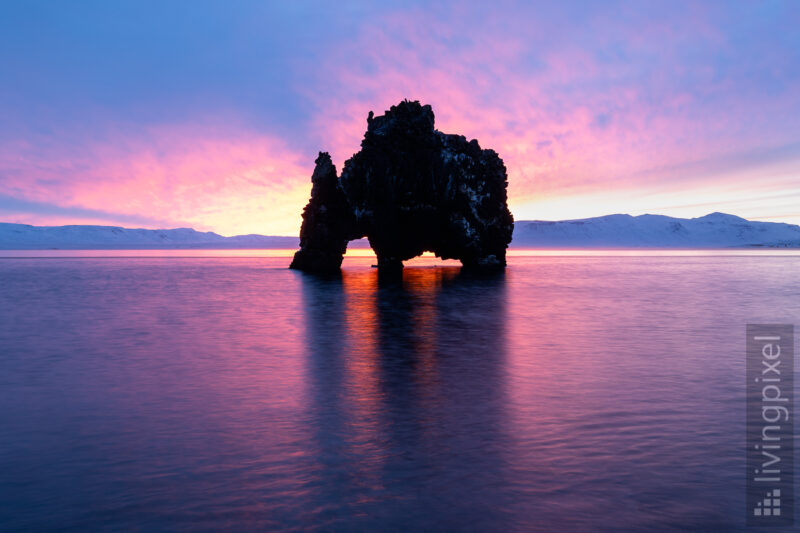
pixel 209 114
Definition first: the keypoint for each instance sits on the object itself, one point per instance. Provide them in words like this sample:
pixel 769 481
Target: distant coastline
pixel 716 230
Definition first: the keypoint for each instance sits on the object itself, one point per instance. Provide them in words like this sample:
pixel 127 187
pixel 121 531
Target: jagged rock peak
pixel 324 170
pixel 405 118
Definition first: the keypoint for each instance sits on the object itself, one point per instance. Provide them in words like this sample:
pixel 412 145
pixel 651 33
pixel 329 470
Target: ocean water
pixel 574 392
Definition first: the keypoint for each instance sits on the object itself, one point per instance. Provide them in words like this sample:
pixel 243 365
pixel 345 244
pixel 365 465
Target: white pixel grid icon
pixel 769 506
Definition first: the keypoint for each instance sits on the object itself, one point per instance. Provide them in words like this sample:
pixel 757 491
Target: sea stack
pixel 410 189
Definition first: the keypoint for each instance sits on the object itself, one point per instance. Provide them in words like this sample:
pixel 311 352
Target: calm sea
pixel 579 392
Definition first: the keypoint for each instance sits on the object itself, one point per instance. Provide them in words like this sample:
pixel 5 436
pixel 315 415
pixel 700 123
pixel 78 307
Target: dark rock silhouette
pixel 328 222
pixel 410 189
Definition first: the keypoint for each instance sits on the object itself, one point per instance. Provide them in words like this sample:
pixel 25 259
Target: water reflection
pixel 406 398
pixel 585 394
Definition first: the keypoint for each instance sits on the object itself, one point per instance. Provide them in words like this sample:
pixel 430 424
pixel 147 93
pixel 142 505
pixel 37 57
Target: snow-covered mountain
pixel 25 237
pixel 716 230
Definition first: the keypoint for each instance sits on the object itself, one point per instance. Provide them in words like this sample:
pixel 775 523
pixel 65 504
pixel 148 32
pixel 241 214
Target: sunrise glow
pixel 597 109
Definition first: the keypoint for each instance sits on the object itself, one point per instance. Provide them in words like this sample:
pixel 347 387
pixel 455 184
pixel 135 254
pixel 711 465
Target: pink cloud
pixel 604 114
pixel 223 178
pixel 560 134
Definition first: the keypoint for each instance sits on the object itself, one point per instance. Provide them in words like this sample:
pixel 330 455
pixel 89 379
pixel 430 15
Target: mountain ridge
pixel 714 230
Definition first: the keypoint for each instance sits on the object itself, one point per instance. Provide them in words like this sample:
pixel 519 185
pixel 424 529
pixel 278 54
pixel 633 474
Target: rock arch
pixel 410 189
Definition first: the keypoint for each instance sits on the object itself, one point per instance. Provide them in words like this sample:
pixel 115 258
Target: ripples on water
pixel 574 393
